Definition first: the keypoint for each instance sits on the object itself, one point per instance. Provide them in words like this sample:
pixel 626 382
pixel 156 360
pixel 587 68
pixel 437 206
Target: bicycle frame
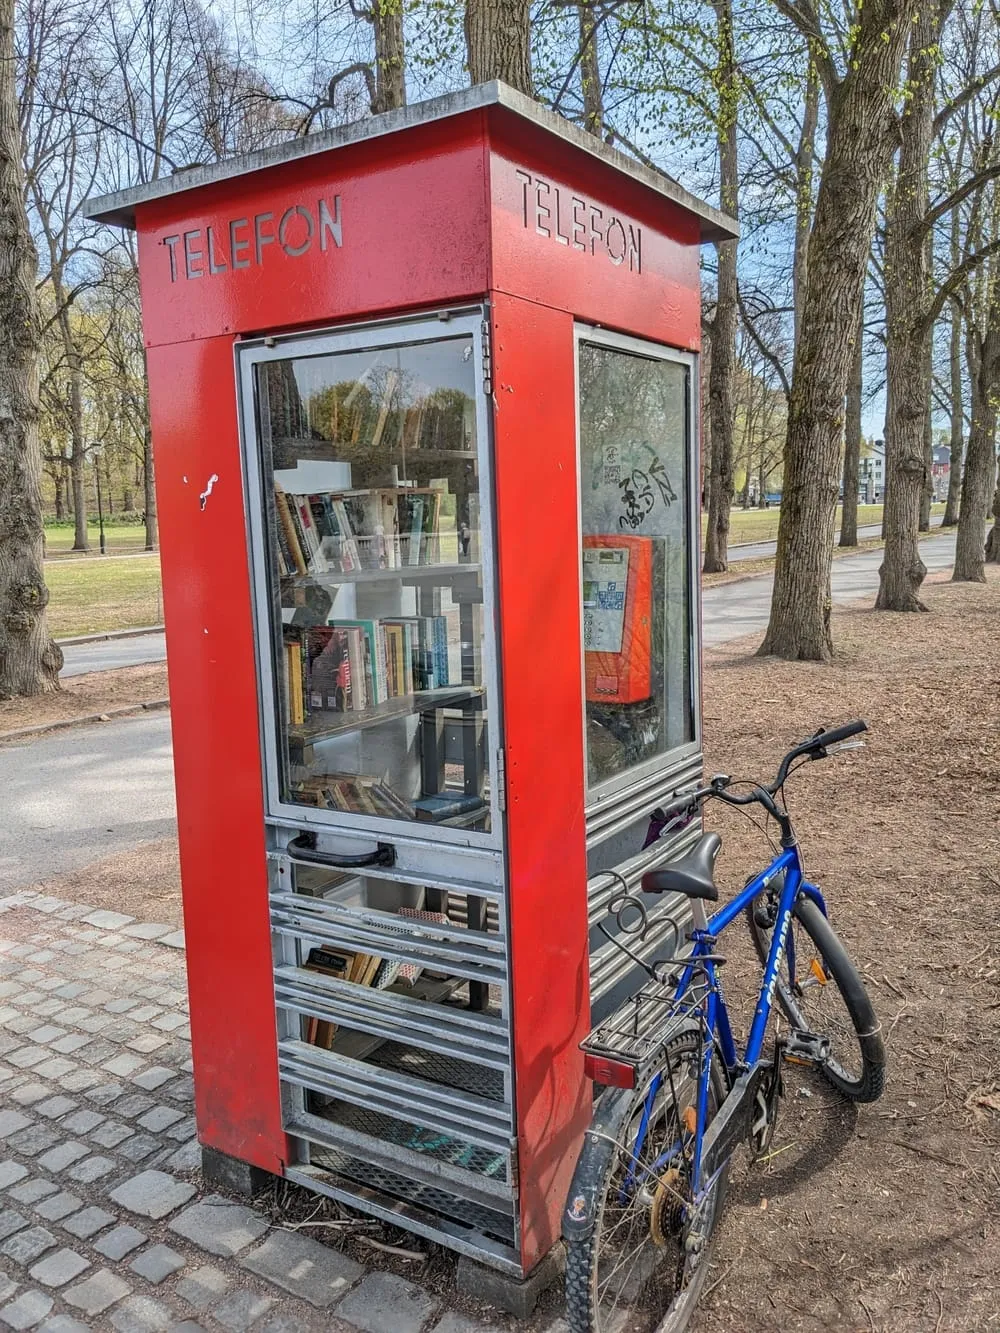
pixel 719 1032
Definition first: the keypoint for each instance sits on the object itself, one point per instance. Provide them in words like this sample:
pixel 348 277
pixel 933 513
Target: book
pixel 294 683
pixel 331 963
pixel 409 972
pixel 315 559
pixel 388 389
pixel 445 805
pixel 365 517
pixel 360 698
pixel 349 554
pixel 374 655
pixel 329 669
pixel 288 530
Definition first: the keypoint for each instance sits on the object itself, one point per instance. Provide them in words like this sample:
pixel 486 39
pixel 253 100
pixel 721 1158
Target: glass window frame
pixel 649 773
pixel 399 331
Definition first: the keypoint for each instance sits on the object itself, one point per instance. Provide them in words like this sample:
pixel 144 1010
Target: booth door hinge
pixel 501 780
pixel 515 1178
pixel 487 359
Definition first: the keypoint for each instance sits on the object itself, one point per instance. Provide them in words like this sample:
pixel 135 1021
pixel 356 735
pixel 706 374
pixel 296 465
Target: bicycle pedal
pixel 805 1048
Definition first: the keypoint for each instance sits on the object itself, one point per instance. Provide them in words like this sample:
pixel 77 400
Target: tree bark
pixel 498 42
pixel 907 333
pixel 852 443
pixel 29 660
pixel 927 494
pixel 390 81
pixel 979 481
pixel 590 72
pixel 859 147
pixel 804 165
pixel 149 492
pixel 992 554
pixel 722 375
pixel 957 443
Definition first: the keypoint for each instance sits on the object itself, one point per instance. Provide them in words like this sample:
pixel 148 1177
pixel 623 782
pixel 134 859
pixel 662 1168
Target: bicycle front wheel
pixel 641 1265
pixel 821 993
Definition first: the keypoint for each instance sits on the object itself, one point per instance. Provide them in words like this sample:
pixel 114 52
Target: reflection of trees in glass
pixel 632 418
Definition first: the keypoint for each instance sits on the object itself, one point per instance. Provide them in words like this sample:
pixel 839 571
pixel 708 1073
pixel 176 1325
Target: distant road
pixel 764 550
pixel 727 611
pixel 732 609
pixel 109 654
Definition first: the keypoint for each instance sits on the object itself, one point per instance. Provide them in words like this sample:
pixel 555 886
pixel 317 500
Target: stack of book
pixel 340 532
pixel 363 969
pixel 355 665
pixel 355 793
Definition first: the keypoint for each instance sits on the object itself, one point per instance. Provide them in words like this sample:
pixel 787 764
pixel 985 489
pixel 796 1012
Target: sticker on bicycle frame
pixel 578 1208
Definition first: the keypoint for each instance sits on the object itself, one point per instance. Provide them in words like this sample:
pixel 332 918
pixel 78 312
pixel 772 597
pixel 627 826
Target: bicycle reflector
pixel 608 1073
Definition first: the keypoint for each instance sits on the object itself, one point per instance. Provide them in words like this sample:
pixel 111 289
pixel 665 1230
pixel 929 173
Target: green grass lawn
pixel 117 537
pixel 94 596
pixel 761 525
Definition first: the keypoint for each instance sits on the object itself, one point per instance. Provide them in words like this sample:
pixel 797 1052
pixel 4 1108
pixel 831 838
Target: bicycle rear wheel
pixel 825 996
pixel 642 1264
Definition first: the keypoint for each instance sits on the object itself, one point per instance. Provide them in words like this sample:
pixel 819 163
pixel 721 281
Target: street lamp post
pixel 100 506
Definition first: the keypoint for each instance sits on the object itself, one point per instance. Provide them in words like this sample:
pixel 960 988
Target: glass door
pixel 368 476
pixel 639 543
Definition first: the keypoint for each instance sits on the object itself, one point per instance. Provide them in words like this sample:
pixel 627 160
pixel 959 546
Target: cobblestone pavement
pixel 104 1223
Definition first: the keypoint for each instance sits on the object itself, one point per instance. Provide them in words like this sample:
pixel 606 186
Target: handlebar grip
pixel 837 734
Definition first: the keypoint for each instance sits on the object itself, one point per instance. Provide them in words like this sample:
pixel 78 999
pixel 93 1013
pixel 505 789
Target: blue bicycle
pixel 679 1097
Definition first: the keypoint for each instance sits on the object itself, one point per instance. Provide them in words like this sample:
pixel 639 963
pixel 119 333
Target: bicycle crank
pixel 764 1117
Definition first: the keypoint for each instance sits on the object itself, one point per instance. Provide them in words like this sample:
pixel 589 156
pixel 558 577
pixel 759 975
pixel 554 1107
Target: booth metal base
pixel 229 1173
pixel 516 1296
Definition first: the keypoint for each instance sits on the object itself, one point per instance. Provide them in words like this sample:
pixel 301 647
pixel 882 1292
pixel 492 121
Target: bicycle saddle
pixel 693 875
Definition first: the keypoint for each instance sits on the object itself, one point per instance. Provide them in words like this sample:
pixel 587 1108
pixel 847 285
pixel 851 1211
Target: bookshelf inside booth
pixel 370 475
pixel 371 578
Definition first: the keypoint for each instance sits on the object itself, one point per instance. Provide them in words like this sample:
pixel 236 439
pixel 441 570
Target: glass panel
pixel 634 466
pixel 371 479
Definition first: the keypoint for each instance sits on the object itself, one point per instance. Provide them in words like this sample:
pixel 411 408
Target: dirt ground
pixel 143 882
pixel 884 1218
pixel 96 692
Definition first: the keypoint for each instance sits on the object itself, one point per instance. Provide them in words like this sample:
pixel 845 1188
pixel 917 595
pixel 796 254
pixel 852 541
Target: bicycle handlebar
pixel 686 806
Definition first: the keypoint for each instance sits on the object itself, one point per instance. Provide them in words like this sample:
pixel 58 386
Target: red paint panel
pixel 570 233
pixel 539 579
pixel 217 758
pixel 411 221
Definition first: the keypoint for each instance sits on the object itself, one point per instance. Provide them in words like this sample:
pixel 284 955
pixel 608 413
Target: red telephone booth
pixel 424 409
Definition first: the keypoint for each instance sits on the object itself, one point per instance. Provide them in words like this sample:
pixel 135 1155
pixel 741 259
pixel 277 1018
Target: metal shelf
pixel 445 1029
pixel 405 705
pixel 409 574
pixel 473 955
pixel 471 1119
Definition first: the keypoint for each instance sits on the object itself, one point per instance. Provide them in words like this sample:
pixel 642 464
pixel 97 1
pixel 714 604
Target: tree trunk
pixel 957 417
pixel 977 486
pixel 78 446
pixel 60 504
pixel 993 540
pixel 852 443
pixel 722 375
pixel 128 501
pixel 390 84
pixel 907 332
pixel 804 164
pixel 29 660
pixel 859 146
pixel 498 42
pixel 149 491
pixel 590 72
pixel 927 494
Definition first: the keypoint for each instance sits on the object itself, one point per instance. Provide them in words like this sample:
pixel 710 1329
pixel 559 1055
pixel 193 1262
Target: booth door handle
pixel 304 848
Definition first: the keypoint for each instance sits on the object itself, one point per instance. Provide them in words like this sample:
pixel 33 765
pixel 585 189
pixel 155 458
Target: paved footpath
pixel 103 1221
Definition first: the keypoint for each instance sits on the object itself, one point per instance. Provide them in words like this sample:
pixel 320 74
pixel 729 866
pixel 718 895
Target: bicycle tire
pixel 869 1083
pixel 592 1181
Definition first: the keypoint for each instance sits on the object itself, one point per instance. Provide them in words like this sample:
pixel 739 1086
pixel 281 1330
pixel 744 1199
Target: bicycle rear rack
pixel 637 1032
